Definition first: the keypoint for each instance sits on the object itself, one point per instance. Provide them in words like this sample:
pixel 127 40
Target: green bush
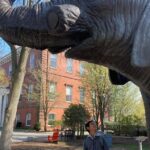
pixel 74 118
pixel 19 125
pixel 37 126
pixel 127 130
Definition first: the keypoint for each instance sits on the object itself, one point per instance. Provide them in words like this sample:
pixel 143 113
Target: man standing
pixel 94 141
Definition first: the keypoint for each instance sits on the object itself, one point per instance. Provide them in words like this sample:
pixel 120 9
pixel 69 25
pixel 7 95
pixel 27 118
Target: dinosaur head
pixel 57 25
pixel 78 24
pixel 69 21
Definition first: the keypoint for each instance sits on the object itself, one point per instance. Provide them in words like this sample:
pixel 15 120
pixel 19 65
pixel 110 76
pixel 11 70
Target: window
pixel 32 61
pixel 52 87
pixel 18 121
pixel 53 60
pixel 82 94
pixel 17 118
pixel 81 69
pixel 93 94
pixel 51 119
pixel 28 119
pixel 10 70
pixel 30 91
pixel 68 92
pixel 69 65
pixel 52 90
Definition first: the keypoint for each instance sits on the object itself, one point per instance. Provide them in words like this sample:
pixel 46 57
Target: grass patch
pixel 131 146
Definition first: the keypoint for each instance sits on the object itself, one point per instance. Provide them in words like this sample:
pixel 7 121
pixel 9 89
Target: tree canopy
pixel 75 116
pixel 110 102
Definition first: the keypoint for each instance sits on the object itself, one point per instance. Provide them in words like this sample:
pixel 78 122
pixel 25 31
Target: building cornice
pixel 4 91
pixel 7 58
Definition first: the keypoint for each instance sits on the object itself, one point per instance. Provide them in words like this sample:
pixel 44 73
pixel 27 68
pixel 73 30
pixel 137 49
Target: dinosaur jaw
pixel 68 22
pixel 75 38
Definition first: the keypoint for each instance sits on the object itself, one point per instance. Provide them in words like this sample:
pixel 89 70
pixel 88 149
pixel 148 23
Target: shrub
pixel 128 130
pixel 37 126
pixel 19 125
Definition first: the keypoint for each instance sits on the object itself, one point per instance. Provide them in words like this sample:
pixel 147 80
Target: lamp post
pixel 141 139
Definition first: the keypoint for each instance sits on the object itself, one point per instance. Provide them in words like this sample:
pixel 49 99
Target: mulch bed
pixel 43 146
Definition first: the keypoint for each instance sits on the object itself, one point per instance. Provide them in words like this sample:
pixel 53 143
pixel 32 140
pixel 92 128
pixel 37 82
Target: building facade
pixel 60 86
pixel 4 92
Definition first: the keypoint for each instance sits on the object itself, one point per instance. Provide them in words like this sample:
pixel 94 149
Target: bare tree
pixel 46 93
pixel 44 97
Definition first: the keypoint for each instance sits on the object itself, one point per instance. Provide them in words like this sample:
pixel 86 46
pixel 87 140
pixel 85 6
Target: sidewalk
pixel 23 136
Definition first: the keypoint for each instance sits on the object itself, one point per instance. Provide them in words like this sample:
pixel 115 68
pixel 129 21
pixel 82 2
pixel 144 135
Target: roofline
pixel 7 58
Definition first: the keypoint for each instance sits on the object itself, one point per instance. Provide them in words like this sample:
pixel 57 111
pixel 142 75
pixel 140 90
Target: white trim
pixel 28 118
pixel 7 58
pixel 3 104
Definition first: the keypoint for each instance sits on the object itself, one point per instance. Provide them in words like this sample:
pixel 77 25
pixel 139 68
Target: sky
pixel 4 48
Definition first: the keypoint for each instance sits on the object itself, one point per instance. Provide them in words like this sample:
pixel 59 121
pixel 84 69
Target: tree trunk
pixel 17 81
pixel 45 122
pixel 146 99
pixel 102 121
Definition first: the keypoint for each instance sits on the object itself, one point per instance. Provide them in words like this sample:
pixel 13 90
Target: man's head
pixel 91 126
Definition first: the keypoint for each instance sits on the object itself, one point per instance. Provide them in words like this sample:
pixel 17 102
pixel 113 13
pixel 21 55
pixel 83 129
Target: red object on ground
pixel 54 137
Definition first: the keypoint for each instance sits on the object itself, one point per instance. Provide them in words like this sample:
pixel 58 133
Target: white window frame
pixel 53 60
pixel 82 94
pixel 69 91
pixel 50 119
pixel 28 118
pixel 69 65
pixel 30 91
pixel 32 61
pixel 52 89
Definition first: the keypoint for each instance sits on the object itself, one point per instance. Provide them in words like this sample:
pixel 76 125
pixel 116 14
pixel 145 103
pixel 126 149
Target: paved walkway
pixel 23 136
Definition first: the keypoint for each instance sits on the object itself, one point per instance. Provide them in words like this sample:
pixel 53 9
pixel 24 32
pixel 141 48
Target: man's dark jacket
pixel 95 143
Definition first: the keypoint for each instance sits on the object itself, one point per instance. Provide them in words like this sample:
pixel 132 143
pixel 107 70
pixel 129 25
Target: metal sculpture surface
pixel 113 33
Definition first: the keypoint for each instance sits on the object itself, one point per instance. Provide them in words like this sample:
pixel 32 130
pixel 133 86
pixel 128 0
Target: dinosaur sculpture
pixel 113 33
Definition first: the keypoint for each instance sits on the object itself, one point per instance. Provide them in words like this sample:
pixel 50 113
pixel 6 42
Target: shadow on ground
pixel 44 146
pixel 74 145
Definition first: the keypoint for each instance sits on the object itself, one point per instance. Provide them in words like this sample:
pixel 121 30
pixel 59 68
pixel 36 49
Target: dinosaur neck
pixel 122 63
pixel 116 21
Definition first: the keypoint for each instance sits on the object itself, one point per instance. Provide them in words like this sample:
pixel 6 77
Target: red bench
pixel 54 138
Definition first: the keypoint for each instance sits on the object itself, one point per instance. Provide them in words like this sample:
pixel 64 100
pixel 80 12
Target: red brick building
pixel 61 77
